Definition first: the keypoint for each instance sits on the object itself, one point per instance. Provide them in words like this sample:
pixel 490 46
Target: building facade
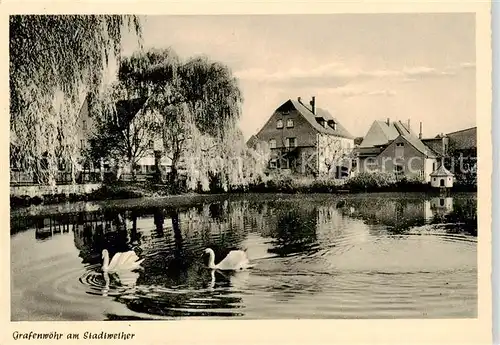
pixel 306 140
pixel 391 147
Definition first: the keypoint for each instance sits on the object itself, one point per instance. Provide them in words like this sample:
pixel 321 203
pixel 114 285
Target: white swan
pixel 122 261
pixel 127 279
pixel 234 261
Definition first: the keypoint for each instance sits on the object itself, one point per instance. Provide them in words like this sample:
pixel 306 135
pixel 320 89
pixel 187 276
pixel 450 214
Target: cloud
pixel 467 65
pixel 337 74
pixel 351 92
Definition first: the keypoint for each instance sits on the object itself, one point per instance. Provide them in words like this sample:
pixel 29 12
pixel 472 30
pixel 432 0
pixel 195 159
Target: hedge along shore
pixel 375 183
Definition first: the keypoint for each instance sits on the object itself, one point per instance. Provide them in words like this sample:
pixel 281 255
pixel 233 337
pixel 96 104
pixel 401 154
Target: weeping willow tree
pixel 125 132
pixel 225 163
pixel 196 100
pixel 54 62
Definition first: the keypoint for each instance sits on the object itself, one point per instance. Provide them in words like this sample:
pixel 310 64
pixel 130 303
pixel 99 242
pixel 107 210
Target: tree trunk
pixel 159 220
pixel 178 253
pixel 157 174
pixel 174 175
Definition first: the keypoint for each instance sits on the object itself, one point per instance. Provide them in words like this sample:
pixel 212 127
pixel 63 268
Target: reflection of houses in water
pixel 428 214
pixel 442 205
pixel 93 231
pixel 330 215
pixel 47 227
pixel 397 214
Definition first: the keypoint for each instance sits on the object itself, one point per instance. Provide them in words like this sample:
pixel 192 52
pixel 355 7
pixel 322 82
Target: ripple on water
pixel 341 268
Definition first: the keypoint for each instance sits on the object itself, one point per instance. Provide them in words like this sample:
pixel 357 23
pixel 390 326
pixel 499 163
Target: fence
pixel 22 178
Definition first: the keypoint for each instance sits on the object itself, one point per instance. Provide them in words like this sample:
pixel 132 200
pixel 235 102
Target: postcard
pixel 249 173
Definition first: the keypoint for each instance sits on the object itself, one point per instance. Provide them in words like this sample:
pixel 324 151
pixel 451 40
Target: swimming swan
pixel 122 261
pixel 234 261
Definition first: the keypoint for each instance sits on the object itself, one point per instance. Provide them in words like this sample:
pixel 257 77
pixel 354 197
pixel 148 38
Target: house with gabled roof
pixel 306 140
pixel 392 147
pixel 149 148
pixel 464 141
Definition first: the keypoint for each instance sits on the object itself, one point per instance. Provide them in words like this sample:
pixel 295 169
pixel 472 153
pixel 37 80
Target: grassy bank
pixel 107 192
pixel 363 183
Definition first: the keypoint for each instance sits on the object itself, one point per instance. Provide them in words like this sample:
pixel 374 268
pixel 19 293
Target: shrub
pixel 370 181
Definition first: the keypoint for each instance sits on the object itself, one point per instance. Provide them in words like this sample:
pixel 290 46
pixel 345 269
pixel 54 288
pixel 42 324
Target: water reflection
pixel 301 247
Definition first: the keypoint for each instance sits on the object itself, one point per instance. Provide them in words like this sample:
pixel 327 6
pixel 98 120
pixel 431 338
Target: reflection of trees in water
pixel 45 227
pixel 402 214
pixel 463 216
pixel 397 214
pixel 295 232
pixel 159 221
pixel 174 255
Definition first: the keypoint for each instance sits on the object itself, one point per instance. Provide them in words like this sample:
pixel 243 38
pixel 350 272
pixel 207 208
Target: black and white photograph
pixel 243 167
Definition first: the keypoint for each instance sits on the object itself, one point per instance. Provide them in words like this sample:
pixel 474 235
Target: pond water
pixel 315 256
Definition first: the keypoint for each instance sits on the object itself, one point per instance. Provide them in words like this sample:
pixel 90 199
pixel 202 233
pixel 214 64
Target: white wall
pixel 429 168
pixel 332 147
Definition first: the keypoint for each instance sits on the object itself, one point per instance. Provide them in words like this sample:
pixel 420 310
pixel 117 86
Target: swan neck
pixel 105 263
pixel 211 260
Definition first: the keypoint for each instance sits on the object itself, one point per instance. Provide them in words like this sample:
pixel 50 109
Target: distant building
pixel 392 147
pixel 464 141
pixel 127 112
pixel 85 125
pixel 306 140
pixel 442 178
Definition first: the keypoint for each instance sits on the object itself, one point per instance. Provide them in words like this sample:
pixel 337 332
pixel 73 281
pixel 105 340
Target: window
pixel 279 124
pixel 272 143
pixel 272 164
pixel 332 124
pixel 289 123
pixel 286 112
pixel 399 149
pixel 291 142
pixel 284 163
pixel 84 125
pixel 151 144
pixel 398 169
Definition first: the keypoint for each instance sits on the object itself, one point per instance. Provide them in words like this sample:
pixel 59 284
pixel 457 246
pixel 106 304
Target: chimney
pixel 420 133
pixel 408 125
pixel 299 99
pixel 313 104
pixel 388 121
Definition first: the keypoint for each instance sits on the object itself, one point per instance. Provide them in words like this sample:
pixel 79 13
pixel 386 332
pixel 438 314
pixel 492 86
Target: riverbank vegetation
pixel 190 106
pixel 271 183
pixel 54 62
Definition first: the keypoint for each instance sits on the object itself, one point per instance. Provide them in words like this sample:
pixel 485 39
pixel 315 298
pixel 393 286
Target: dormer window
pixel 279 124
pixel 289 123
pixel 332 124
pixel 321 121
pixel 272 143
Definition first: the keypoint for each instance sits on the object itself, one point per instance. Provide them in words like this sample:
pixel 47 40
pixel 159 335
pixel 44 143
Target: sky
pixel 360 67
